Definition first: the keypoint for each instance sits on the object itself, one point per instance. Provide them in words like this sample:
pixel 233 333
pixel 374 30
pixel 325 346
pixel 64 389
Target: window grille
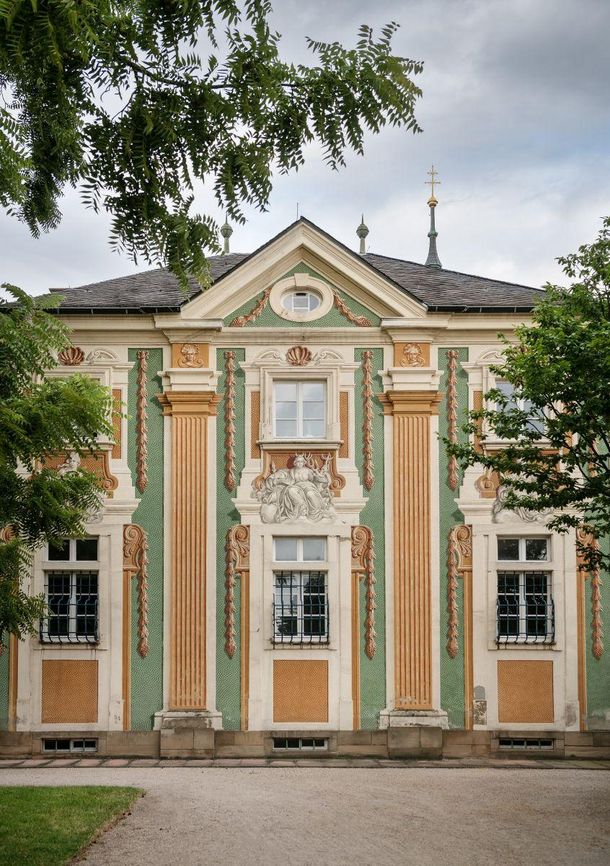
pixel 300 607
pixel 66 745
pixel 537 743
pixel 525 608
pixel 303 744
pixel 72 593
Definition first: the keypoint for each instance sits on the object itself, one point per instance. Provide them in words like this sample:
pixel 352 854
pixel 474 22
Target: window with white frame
pixel 301 302
pixel 300 594
pixel 525 610
pixel 71 592
pixel 536 420
pixel 299 409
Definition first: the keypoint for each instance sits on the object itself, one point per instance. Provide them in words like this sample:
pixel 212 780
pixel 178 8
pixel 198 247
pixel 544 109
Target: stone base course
pixel 180 742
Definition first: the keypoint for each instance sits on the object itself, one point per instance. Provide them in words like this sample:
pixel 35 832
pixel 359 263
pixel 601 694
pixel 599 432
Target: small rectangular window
pixel 60 552
pixel 305 549
pixel 523 549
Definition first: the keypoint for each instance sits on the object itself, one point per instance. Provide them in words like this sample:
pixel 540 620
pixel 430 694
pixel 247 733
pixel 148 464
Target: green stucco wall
pixel 228 675
pixel 4 686
pixel 451 670
pixel 332 319
pixel 373 671
pixel 598 671
pixel 147 673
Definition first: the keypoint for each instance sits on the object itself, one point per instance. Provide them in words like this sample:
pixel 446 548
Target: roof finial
pixel 226 231
pixel 362 231
pixel 433 260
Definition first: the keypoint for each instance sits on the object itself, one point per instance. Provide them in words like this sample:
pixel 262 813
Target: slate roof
pixel 441 290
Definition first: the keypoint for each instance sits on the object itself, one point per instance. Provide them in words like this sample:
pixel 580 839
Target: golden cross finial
pixel 433 181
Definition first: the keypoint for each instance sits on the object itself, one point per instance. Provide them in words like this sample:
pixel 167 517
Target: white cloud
pixel 515 117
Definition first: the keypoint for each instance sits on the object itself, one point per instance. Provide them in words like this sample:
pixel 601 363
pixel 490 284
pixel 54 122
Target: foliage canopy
pixel 40 415
pixel 560 371
pixel 119 100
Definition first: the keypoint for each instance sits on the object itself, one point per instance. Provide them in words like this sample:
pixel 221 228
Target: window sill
pixel 300 647
pixel 514 646
pixel 42 646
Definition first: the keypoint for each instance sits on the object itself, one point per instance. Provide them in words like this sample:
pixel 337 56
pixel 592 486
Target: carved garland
pixel 363 562
pixel 230 420
pixel 141 424
pixel 359 321
pixel 240 321
pixel 452 413
pixel 237 553
pixel 597 628
pixel 135 562
pixel 367 424
pixel 459 559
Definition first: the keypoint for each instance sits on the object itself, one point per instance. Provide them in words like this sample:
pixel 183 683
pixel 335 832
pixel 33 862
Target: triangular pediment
pixel 303 251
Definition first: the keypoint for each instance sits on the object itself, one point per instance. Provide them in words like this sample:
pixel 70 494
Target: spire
pixel 362 231
pixel 226 231
pixel 433 260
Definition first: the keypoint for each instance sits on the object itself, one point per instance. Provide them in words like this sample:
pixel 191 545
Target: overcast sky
pixel 516 118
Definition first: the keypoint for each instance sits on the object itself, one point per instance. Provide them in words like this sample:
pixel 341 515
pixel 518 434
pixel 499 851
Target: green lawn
pixel 48 826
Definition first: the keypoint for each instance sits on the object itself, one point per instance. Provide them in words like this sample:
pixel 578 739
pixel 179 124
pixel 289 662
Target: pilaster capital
pixel 192 403
pixel 411 402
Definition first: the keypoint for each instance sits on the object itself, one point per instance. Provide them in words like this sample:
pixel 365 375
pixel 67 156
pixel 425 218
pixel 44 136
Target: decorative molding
pixel 189 356
pixel 230 482
pixel 359 321
pixel 189 411
pixel 241 321
pixel 300 492
pixel 189 403
pixel 117 423
pixel 412 356
pixel 487 484
pixel 367 422
pixel 141 423
pixel 452 414
pixel 597 627
pixel 135 563
pixel 459 561
pixel 237 561
pixel 344 423
pixel 412 492
pixel 101 356
pixel 73 356
pixel 255 424
pixel 363 563
pixel 298 356
pixel 477 405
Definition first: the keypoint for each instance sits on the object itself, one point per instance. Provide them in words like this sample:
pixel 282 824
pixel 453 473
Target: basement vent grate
pixel 537 743
pixel 62 746
pixel 303 744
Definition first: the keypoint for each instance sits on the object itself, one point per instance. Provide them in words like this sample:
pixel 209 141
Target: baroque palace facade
pixel 286 559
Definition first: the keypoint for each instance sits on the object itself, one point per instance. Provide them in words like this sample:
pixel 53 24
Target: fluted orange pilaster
pixel 411 412
pixel 190 411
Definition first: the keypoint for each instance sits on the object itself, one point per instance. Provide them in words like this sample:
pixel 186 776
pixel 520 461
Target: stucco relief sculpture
pixel 302 491
pixel 412 356
pixel 73 356
pixel 189 356
pixel 524 514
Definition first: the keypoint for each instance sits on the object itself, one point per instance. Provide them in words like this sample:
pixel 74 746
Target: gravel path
pixel 331 816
